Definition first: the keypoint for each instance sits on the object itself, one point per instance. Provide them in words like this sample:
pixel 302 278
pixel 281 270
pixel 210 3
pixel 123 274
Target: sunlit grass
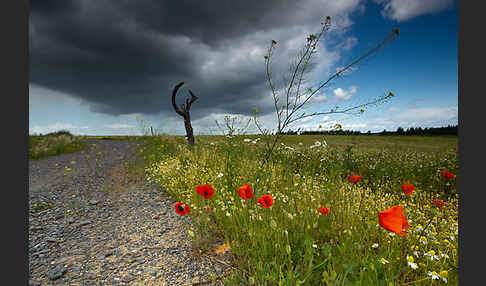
pixel 52 144
pixel 291 242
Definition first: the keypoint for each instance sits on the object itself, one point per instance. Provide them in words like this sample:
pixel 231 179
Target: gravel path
pixel 102 227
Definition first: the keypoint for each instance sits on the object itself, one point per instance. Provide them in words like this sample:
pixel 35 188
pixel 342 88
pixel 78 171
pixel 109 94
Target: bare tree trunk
pixel 184 112
pixel 189 132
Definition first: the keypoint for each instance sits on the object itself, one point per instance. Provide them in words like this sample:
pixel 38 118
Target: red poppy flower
pixel 447 174
pixel 245 192
pixel 323 210
pixel 345 146
pixel 354 178
pixel 408 188
pixel 393 219
pixel 266 201
pixel 455 148
pixel 206 191
pixel 182 210
pixel 208 208
pixel 438 203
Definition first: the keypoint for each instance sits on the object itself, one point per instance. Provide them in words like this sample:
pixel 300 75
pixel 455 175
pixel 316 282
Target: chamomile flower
pixel 411 263
pixel 431 255
pixel 433 274
pixel 443 275
pixel 374 245
pixel 384 261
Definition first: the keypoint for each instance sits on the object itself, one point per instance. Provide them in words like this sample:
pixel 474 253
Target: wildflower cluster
pixel 300 210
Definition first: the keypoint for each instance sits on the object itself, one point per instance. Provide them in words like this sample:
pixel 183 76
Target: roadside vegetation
pixel 312 215
pixel 52 144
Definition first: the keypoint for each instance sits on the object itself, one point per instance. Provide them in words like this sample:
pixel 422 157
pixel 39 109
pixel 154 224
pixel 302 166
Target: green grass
pixel 291 243
pixel 52 144
pixel 41 206
pixel 363 142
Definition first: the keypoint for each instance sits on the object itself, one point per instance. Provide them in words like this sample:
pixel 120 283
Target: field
pixel 52 144
pixel 299 219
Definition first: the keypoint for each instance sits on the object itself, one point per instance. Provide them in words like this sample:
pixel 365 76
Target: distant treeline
pixel 448 130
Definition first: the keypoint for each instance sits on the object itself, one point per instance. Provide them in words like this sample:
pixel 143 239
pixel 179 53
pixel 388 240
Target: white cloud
pixel 119 126
pixel 355 126
pixel 320 98
pixel 346 72
pixel 412 117
pixel 403 10
pixel 349 43
pixel 428 114
pixel 56 127
pixel 343 95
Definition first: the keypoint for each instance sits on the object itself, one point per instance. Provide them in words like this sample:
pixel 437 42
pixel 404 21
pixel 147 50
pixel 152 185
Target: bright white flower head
pixel 434 275
pixel 411 263
pixel 431 255
pixel 443 255
pixel 443 275
pixel 384 261
pixel 374 245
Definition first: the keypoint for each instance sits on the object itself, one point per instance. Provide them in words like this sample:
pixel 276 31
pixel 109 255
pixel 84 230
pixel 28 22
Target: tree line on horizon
pixel 428 131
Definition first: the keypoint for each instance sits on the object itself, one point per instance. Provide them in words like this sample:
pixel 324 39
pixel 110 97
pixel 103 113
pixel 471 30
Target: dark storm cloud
pixel 124 57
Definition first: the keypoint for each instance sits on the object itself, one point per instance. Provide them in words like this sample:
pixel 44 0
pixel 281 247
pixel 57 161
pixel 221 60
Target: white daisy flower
pixel 431 255
pixel 434 275
pixel 384 261
pixel 443 275
pixel 411 263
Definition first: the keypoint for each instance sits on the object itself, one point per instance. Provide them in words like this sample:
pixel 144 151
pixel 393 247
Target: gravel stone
pixel 132 225
pixel 56 273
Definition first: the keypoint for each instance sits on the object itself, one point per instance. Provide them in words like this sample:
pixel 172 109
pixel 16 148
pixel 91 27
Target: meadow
pixel 324 210
pixel 52 144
